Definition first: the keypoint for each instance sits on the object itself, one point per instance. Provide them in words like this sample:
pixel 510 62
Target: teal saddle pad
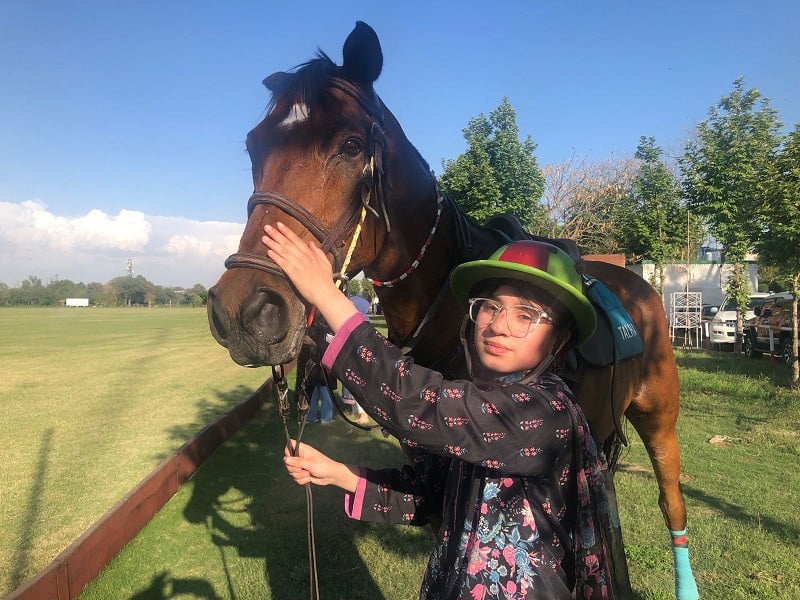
pixel 616 337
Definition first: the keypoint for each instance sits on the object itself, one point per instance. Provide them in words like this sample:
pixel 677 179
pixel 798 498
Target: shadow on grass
pixel 784 532
pixel 21 559
pixel 208 411
pixel 165 586
pixel 246 501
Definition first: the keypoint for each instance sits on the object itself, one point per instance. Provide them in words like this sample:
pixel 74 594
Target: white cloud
pixel 188 245
pixel 30 221
pixel 96 246
pixel 129 230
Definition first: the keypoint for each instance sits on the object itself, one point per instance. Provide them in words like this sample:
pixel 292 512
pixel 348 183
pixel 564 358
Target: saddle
pixel 616 337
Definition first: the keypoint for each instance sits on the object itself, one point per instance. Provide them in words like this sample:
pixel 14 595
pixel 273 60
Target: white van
pixel 722 328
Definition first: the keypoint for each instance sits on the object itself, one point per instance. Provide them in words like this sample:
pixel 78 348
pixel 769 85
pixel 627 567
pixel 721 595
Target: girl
pixel 506 459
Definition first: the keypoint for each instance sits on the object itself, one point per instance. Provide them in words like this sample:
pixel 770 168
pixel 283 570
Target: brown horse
pixel 332 162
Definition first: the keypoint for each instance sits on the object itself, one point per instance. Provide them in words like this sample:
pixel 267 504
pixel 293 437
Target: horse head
pixel 331 162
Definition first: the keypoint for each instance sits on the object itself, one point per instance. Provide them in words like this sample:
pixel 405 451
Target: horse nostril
pixel 218 319
pixel 265 316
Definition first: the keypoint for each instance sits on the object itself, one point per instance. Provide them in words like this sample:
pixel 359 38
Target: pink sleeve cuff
pixel 354 503
pixel 340 338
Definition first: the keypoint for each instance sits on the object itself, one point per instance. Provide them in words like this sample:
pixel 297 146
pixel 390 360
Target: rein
pixel 303 394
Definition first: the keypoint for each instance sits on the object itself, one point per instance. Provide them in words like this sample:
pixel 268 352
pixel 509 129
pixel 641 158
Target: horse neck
pixel 407 304
pixel 413 207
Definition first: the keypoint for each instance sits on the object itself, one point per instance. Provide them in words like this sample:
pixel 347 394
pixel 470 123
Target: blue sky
pixel 122 124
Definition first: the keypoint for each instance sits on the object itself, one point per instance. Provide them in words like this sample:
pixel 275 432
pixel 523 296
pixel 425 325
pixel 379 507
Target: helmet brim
pixel 466 276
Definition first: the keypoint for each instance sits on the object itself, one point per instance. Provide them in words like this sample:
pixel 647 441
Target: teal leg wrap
pixel 685 585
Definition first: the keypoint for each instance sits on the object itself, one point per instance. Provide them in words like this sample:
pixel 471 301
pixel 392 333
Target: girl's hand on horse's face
pixel 306 265
pixel 309 270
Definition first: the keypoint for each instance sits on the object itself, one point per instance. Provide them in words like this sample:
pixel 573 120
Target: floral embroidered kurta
pixel 510 467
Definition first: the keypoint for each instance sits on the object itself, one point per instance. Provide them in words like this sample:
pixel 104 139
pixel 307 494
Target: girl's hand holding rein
pixel 312 466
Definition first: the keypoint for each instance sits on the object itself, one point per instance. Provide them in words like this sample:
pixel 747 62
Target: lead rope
pixel 282 393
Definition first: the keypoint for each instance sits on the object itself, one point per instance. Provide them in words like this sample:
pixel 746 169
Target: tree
pixel 651 222
pixel 196 295
pixel 778 241
pixel 107 295
pixel 725 169
pixel 498 172
pixel 5 296
pixel 772 278
pixel 92 290
pixel 31 292
pixel 126 290
pixel 367 290
pixel 58 290
pixel 580 200
pixel 131 290
pixel 354 287
pixel 199 290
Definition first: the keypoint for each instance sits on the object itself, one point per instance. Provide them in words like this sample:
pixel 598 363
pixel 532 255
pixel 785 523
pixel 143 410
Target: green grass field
pixel 92 400
pixel 237 528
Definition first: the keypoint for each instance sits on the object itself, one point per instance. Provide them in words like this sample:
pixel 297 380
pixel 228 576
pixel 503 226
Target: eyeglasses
pixel 520 318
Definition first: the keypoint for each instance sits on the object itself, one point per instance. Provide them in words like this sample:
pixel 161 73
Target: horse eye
pixel 352 146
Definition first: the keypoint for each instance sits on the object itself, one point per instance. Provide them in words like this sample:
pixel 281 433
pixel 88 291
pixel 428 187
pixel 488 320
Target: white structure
pixel 79 302
pixel 685 317
pixel 708 278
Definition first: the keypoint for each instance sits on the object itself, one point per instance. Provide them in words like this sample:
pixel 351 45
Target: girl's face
pixel 502 353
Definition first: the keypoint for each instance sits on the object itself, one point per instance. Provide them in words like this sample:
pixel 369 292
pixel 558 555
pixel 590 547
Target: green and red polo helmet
pixel 539 264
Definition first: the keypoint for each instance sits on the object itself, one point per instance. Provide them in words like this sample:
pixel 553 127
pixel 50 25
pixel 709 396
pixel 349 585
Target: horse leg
pixel 661 441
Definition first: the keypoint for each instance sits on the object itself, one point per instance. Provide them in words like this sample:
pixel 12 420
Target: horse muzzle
pixel 259 327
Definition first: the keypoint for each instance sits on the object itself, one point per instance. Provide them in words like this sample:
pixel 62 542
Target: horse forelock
pixel 295 94
pixel 306 80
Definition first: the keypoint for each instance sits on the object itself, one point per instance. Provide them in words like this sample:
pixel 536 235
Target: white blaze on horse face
pixel 298 113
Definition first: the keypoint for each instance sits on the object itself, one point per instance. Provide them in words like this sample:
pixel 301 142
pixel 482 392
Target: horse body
pixel 332 162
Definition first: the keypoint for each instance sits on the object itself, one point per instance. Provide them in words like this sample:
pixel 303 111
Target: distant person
pixel 312 377
pixel 320 404
pixel 324 412
pixel 362 304
pixel 347 397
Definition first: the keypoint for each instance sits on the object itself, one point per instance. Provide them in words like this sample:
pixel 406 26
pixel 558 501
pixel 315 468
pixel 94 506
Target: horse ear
pixel 363 59
pixel 276 82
